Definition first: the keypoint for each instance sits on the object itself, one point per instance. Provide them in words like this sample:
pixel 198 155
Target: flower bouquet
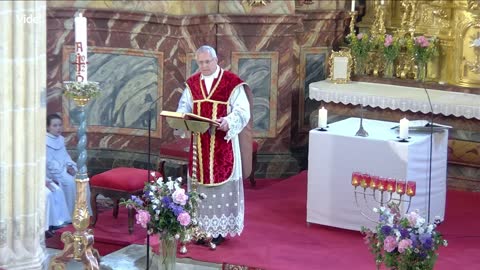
pixel 391 49
pixel 405 242
pixel 423 49
pixel 360 46
pixel 166 209
pixel 81 90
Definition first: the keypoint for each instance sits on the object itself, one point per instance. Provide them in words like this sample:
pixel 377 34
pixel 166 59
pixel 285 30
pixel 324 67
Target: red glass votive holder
pixel 401 187
pixel 374 182
pixel 411 188
pixel 356 176
pixel 366 179
pixel 391 185
pixel 382 184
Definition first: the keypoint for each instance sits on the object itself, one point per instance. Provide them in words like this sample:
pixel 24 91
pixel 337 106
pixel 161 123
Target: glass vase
pixel 360 67
pixel 421 71
pixel 167 257
pixel 388 72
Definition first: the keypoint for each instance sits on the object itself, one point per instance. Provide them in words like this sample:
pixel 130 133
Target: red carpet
pixel 276 235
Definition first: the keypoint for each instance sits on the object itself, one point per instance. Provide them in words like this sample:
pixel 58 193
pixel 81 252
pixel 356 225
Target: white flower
pixel 445 243
pixel 152 174
pixel 155 201
pixel 153 188
pixel 177 236
pixel 421 230
pixel 170 185
pixel 154 206
pixel 375 210
pixel 179 179
pixel 430 228
pixel 157 212
pixel 160 181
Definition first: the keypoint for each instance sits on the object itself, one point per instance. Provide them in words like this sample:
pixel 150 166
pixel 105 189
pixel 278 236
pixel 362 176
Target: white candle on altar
pixel 403 133
pixel 322 118
pixel 382 2
pixel 81 48
pixel 353 5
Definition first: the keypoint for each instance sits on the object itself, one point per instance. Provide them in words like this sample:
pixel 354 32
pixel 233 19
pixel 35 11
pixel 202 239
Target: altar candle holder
pixel 381 191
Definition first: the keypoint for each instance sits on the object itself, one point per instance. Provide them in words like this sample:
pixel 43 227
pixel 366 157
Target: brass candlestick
pixel 197 232
pixel 79 245
pixel 353 17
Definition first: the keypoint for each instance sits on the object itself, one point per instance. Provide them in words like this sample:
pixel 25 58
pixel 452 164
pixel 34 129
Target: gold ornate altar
pixel 456 24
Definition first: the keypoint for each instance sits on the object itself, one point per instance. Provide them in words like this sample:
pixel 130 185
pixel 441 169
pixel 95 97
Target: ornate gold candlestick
pixel 353 17
pixel 79 245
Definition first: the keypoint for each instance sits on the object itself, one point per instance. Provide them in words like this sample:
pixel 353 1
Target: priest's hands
pixel 223 124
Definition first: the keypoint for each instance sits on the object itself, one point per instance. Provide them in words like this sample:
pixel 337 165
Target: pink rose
pixel 404 244
pixel 422 41
pixel 184 218
pixel 389 244
pixel 388 41
pixel 179 196
pixel 142 217
pixel 412 219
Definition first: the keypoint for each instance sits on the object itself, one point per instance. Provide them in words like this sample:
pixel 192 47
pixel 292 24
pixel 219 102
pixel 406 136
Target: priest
pixel 220 95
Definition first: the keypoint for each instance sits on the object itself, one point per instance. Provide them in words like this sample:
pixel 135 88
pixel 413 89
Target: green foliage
pixel 82 90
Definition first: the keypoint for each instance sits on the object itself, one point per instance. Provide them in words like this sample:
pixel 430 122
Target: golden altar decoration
pixel 456 24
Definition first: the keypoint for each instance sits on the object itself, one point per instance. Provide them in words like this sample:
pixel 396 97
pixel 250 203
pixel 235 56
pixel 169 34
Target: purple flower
pixel 386 230
pixel 426 240
pixel 137 200
pixel 414 239
pixel 422 41
pixel 404 233
pixel 360 36
pixel 166 201
pixel 176 209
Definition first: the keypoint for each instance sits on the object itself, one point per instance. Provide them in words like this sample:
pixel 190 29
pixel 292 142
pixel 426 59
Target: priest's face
pixel 55 128
pixel 207 63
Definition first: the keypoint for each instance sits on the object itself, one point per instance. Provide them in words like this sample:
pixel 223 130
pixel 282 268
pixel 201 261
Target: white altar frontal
pixel 334 154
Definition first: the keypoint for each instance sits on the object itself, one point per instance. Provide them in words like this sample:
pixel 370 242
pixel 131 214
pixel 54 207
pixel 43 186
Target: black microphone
pixel 149 166
pixel 431 151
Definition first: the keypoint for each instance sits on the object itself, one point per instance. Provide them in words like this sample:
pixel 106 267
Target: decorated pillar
pixel 22 129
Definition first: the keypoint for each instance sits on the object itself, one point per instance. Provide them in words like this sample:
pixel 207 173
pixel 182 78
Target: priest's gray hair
pixel 206 48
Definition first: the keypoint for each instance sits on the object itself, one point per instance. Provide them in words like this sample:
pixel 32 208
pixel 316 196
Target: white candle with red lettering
pixel 322 118
pixel 81 48
pixel 403 134
pixel 353 5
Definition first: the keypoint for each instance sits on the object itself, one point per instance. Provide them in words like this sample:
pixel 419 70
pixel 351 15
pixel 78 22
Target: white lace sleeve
pixel 185 105
pixel 240 113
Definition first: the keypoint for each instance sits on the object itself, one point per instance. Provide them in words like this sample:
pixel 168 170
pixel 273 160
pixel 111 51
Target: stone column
pixel 22 133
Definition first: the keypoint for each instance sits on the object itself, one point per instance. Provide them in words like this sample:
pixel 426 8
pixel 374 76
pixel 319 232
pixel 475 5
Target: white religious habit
pixel 222 212
pixel 56 211
pixel 58 160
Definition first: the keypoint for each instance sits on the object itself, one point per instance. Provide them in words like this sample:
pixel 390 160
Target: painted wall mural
pixel 260 71
pixel 131 83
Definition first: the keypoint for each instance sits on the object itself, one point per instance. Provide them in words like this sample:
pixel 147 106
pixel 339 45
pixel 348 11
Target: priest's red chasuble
pixel 215 154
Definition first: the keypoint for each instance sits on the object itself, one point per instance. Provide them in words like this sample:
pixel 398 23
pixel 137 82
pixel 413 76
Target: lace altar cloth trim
pixel 397 97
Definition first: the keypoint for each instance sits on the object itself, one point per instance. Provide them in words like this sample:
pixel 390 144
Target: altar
pixel 334 154
pixel 395 97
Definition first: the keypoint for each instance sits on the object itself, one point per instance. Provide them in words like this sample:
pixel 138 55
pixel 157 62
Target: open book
pixel 424 126
pixel 188 116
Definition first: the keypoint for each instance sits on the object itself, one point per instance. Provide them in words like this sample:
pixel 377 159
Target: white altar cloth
pixel 334 154
pixel 397 97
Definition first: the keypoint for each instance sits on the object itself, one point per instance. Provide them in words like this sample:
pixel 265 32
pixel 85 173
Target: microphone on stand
pixel 431 151
pixel 149 166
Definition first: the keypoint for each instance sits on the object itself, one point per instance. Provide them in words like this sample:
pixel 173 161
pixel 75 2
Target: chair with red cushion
pixel 118 183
